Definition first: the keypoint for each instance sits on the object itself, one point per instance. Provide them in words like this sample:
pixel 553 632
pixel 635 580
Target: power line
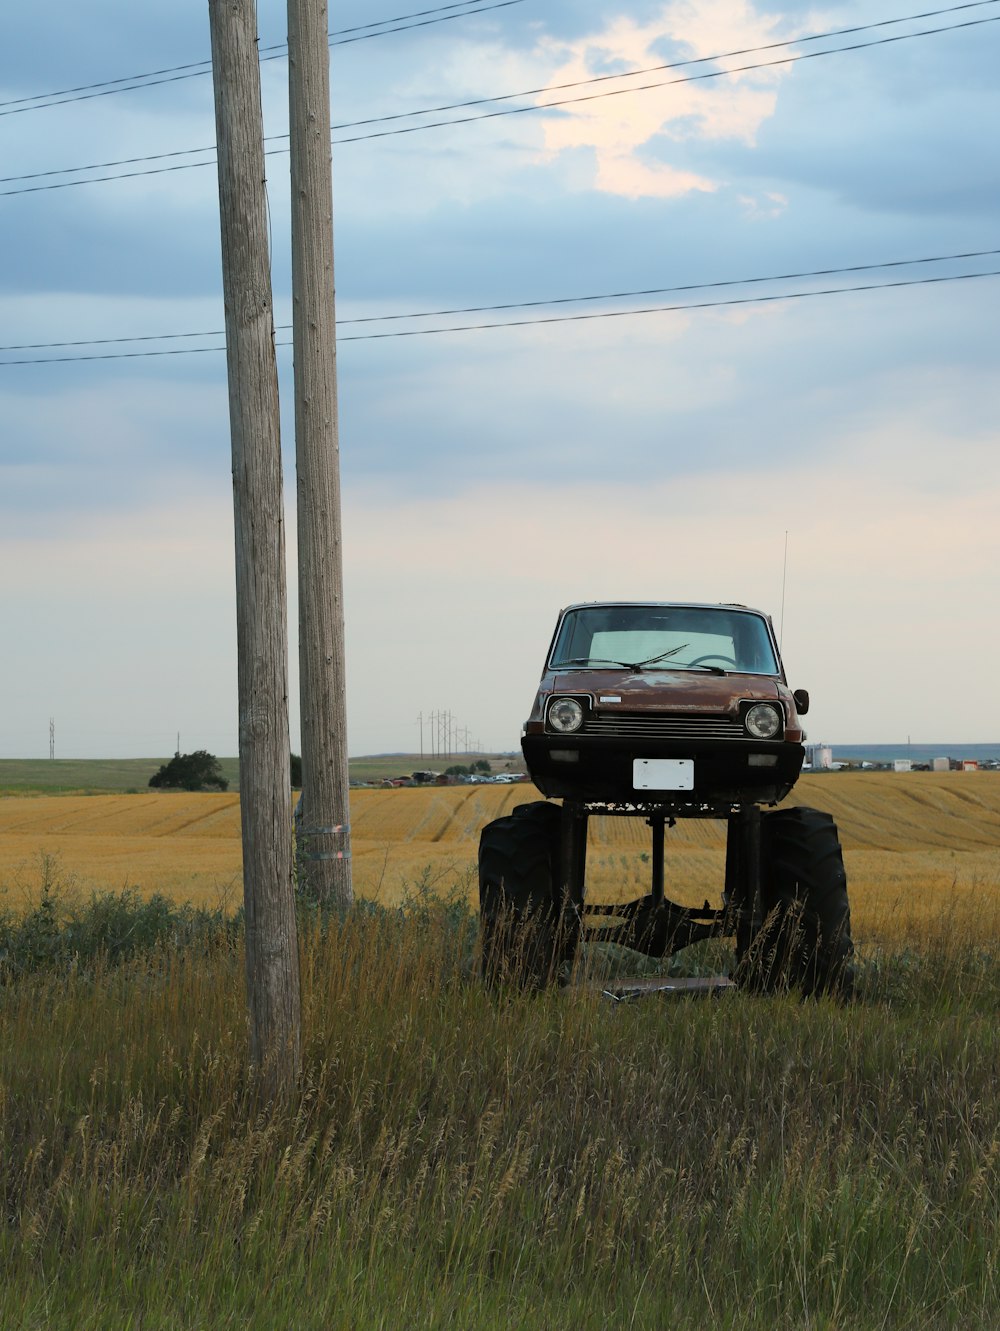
pixel 507 111
pixel 674 64
pixel 528 92
pixel 178 73
pixel 667 83
pixel 530 304
pixel 201 67
pixel 663 291
pixel 668 309
pixel 550 319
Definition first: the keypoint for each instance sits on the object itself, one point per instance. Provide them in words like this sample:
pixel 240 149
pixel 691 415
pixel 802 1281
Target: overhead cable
pixel 533 304
pixel 196 69
pixel 548 319
pixel 667 309
pixel 667 83
pixel 490 115
pixel 656 69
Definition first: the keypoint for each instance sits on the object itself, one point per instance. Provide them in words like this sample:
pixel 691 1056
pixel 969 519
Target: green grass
pixel 61 775
pixel 76 934
pixel 453 1160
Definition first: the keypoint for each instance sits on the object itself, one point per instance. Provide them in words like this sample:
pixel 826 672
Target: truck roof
pixel 687 605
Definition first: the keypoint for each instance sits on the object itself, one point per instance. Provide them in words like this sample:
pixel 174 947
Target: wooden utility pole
pixel 272 967
pixel 324 840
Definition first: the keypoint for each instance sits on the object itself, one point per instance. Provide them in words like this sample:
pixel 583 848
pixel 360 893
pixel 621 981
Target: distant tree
pixel 296 772
pixel 191 771
pixel 481 765
pixel 456 770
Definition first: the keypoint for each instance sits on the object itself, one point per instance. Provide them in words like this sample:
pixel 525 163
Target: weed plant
pixel 456 1159
pixel 65 930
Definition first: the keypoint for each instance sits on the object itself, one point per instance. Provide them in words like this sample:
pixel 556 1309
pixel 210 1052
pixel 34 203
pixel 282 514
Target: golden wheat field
pixel 916 845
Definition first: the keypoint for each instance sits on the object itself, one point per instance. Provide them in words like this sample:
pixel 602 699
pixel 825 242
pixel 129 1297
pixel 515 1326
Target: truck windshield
pixel 681 636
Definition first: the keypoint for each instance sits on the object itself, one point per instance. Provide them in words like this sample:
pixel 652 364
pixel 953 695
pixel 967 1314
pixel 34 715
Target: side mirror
pixel 801 697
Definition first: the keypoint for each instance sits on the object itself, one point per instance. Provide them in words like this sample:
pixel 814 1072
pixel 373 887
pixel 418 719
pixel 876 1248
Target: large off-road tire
pixel 805 940
pixel 527 939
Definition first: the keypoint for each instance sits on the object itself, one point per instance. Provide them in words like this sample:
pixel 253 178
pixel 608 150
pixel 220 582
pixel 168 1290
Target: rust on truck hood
pixel 679 690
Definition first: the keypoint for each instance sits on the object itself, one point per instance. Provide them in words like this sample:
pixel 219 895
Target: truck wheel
pixel 543 812
pixel 525 936
pixel 805 940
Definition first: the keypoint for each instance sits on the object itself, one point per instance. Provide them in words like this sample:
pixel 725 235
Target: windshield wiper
pixel 591 660
pixel 636 666
pixel 652 660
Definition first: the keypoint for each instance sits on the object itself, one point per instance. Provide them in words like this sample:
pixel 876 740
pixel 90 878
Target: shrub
pixel 191 771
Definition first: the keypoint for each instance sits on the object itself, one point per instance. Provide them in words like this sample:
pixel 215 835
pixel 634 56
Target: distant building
pixel 940 764
pixel 819 757
pixel 969 765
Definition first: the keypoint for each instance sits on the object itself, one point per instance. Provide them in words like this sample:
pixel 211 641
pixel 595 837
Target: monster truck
pixel 663 711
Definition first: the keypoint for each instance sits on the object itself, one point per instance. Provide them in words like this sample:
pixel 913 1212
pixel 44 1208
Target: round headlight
pixel 763 721
pixel 565 715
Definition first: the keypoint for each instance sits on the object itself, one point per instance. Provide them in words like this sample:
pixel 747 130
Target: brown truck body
pixel 691 711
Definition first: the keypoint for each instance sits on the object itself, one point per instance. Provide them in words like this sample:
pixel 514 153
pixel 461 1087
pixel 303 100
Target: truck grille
pixel 645 725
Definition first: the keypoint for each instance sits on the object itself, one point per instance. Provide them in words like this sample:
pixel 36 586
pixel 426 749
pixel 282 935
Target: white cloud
pixel 763 207
pixel 618 129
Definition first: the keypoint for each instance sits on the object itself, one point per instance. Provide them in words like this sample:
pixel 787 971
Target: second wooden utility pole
pixel 272 962
pixel 324 831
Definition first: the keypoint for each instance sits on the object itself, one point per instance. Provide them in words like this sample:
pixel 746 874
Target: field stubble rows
pixel 917 846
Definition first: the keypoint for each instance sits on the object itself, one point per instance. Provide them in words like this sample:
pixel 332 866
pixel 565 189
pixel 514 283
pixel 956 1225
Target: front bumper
pixel 602 771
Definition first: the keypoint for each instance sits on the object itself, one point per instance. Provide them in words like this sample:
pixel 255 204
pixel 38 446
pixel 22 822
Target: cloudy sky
pixel 492 476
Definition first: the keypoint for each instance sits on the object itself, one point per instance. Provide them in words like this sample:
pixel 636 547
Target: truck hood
pixel 659 690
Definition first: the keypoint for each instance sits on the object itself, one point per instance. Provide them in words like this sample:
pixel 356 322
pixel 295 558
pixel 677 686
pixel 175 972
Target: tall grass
pixel 454 1160
pixel 72 930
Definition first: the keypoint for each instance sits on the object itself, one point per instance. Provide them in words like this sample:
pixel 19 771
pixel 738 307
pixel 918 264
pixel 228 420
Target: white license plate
pixel 663 774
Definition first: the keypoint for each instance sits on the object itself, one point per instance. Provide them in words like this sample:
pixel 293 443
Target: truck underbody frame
pixel 653 924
